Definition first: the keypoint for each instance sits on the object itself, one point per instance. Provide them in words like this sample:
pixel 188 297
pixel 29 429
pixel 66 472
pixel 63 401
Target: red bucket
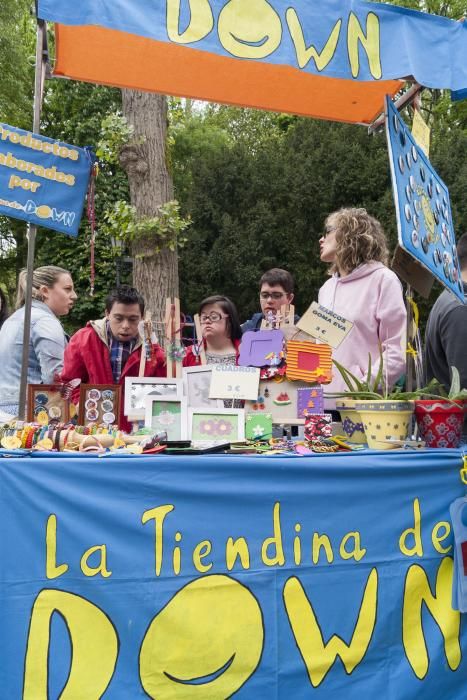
pixel 440 422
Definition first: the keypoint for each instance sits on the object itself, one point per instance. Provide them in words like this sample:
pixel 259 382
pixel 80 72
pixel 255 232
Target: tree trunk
pixel 155 275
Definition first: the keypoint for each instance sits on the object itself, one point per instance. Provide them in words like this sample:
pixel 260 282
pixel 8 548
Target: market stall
pixel 210 577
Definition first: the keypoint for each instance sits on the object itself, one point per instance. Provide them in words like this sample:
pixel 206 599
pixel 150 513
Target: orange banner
pixel 111 57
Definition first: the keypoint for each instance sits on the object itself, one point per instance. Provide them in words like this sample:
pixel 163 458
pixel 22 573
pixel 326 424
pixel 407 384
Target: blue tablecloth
pixel 216 576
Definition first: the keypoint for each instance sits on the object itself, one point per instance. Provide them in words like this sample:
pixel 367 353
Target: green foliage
pixel 115 133
pixel 163 231
pixel 73 112
pixel 377 389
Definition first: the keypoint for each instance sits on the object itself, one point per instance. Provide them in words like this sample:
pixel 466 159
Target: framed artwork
pixel 261 348
pixel 197 383
pixel 216 424
pixel 278 399
pixel 99 403
pixel 310 400
pixel 47 404
pixel 137 388
pixel 423 208
pixel 258 426
pixel 310 362
pixel 168 414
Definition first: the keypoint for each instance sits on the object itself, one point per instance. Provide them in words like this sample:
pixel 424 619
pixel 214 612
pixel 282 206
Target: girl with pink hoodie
pixel 364 291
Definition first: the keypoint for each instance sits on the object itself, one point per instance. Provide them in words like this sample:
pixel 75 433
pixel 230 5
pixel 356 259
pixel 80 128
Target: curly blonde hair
pixel 360 239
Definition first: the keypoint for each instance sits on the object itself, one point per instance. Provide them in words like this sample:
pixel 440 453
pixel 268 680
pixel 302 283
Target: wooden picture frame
pixel 217 424
pixel 197 384
pixel 167 413
pixel 261 348
pixel 138 388
pixel 309 362
pixel 95 402
pixel 46 404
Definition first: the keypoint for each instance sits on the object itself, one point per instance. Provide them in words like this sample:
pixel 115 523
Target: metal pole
pixel 41 57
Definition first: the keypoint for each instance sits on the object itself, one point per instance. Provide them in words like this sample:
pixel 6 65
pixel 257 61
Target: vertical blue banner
pixel 423 207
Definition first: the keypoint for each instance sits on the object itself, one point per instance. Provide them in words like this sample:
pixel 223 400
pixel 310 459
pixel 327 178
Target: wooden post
pixel 199 340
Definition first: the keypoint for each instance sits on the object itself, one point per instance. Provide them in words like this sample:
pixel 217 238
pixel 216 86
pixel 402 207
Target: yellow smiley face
pixel 44 211
pixel 428 218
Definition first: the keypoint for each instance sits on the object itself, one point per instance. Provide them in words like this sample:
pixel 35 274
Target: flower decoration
pixel 165 418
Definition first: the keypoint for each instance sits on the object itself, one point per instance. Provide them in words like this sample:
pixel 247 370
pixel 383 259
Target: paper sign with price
pixel 324 324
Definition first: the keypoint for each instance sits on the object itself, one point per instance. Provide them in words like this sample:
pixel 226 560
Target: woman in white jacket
pixel 364 291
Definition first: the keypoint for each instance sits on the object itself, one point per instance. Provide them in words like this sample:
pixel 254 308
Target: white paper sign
pixel 324 324
pixel 231 382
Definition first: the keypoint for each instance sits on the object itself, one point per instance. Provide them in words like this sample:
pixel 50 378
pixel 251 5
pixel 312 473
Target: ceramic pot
pixel 385 420
pixel 440 422
pixel 352 424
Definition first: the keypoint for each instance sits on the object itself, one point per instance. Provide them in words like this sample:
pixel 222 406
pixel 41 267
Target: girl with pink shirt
pixel 364 291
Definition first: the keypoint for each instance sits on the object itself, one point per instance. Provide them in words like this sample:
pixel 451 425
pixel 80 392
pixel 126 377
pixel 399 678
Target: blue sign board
pixel 424 218
pixel 210 577
pixel 42 181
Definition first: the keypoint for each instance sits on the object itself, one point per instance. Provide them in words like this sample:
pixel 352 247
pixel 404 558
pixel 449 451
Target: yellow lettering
pixel 249 29
pixel 234 548
pixel 158 515
pixel 93 640
pixel 357 552
pixel 369 41
pixel 101 568
pixel 51 568
pixel 318 656
pixel 218 644
pixel 200 551
pixel 177 555
pixel 318 542
pixel 415 532
pixel 437 539
pixel 304 53
pixel 417 591
pixel 201 21
pixel 274 541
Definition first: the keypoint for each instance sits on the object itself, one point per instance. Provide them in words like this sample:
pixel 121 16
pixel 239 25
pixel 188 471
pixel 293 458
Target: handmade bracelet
pixel 30 437
pixel 57 439
pixel 67 435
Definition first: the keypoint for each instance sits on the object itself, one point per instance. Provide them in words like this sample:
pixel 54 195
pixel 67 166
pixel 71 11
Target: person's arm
pixel 156 367
pixel 49 341
pixel 74 366
pixel 453 331
pixel 391 315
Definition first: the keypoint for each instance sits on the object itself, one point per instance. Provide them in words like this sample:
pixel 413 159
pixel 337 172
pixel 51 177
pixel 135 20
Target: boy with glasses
pixel 276 289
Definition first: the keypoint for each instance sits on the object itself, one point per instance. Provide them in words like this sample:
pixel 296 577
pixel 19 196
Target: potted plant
pixel 385 415
pixel 440 420
pixel 352 423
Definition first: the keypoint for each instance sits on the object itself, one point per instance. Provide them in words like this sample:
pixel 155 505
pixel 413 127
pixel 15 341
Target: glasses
pixel 214 317
pixel 272 295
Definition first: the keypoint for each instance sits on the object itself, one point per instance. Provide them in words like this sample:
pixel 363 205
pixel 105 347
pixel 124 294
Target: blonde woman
pixel 364 291
pixel 53 296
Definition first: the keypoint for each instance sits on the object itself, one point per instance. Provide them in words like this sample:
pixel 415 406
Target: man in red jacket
pixel 108 350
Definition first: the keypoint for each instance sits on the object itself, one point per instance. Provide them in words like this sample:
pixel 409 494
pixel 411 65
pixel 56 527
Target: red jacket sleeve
pixel 156 367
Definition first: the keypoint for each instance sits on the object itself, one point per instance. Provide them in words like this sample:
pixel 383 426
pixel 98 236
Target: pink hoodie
pixel 371 297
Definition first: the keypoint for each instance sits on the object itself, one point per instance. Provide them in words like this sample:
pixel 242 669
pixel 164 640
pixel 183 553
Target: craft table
pixel 215 576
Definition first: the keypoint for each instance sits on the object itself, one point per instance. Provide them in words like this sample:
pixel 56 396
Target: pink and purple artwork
pixel 261 349
pixel 310 400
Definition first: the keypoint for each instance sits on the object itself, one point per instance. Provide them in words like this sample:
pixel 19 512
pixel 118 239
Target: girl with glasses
pixel 221 332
